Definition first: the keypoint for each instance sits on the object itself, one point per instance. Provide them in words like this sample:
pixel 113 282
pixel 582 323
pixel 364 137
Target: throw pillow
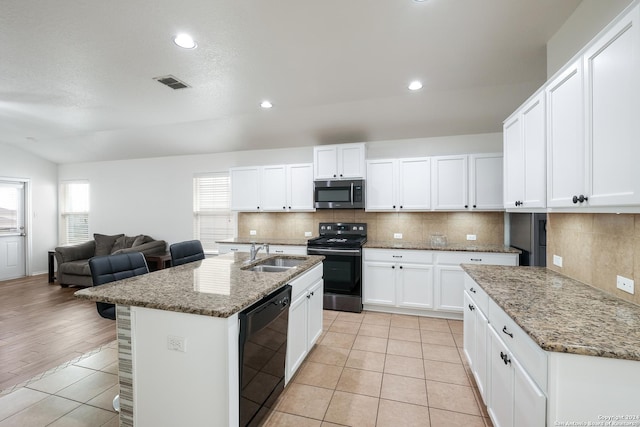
pixel 105 243
pixel 141 240
pixel 122 242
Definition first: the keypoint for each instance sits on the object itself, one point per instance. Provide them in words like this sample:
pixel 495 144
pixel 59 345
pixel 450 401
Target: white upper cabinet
pixel 565 133
pixel 300 187
pixel 343 161
pixel 450 182
pixel 592 122
pixel 466 182
pixel 525 156
pixel 486 183
pixel 612 98
pixel 245 188
pixel 399 184
pixel 276 188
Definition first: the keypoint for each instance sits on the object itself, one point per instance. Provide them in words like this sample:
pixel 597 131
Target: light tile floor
pixel 376 369
pixel 368 369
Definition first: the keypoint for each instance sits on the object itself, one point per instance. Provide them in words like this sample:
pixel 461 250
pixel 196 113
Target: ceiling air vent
pixel 172 82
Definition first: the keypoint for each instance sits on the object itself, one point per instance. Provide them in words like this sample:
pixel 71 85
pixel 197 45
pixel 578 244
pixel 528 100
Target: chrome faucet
pixel 254 250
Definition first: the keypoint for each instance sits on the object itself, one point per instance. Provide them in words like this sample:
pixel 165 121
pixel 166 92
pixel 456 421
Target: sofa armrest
pixel 75 252
pixel 149 248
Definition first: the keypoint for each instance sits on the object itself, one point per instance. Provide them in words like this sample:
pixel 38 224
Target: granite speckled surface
pixel 561 314
pixel 269 240
pixel 455 247
pixel 217 286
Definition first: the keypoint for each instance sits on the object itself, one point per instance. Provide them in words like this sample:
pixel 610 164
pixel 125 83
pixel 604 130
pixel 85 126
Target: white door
pixel 12 230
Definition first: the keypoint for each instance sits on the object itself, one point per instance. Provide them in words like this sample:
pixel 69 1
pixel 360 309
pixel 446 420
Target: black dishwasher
pixel 262 351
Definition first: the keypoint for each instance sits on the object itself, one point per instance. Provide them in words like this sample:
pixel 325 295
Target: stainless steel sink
pixel 276 265
pixel 283 262
pixel 263 268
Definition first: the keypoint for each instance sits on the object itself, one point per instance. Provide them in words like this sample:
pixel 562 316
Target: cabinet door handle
pixel 471 307
pixel 393 266
pixel 466 206
pixel 394 206
pixel 476 259
pixel 400 267
pixel 505 331
pixel 472 290
pixel 505 358
pixel 308 296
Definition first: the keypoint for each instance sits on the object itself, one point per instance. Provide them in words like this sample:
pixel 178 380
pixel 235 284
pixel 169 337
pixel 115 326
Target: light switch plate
pixel 307 234
pixel 175 343
pixel 397 235
pixel 557 260
pixel 252 232
pixel 471 237
pixel 625 284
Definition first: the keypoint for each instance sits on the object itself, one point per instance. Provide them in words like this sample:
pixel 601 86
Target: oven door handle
pixel 346 252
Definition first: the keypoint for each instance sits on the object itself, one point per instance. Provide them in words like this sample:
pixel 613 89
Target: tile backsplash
pixel 414 226
pixel 595 248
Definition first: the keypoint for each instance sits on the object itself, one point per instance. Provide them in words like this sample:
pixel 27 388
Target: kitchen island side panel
pixel 194 387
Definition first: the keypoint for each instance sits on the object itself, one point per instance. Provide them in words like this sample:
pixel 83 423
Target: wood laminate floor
pixel 42 326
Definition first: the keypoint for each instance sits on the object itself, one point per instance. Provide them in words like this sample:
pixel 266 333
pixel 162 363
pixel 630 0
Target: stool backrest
pixel 184 252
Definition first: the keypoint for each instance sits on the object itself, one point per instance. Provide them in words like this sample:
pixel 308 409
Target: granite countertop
pixel 561 314
pixel 217 286
pixel 425 246
pixel 269 240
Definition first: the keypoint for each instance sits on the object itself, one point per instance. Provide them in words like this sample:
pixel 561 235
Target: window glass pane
pixel 9 200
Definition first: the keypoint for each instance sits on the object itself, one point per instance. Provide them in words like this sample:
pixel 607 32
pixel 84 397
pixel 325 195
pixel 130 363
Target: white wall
pixel 589 18
pixel 154 196
pixel 43 182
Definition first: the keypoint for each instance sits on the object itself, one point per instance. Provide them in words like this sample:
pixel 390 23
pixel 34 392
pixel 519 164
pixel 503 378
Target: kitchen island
pixel 178 337
pixel 545 349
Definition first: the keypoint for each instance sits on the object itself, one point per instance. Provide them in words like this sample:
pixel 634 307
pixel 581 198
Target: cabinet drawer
pixel 477 294
pixel 300 284
pixel 391 255
pixel 457 258
pixel 532 358
pixel 287 249
pixel 224 248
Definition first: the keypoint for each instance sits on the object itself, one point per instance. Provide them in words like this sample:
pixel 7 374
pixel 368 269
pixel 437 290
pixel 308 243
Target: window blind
pixel 213 218
pixel 75 212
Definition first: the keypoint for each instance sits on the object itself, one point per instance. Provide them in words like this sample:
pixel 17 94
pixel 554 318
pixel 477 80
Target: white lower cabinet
pixel 419 281
pixel 398 278
pixel 224 248
pixel 305 318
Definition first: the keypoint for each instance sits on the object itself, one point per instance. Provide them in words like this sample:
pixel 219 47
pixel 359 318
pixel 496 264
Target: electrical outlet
pixel 471 237
pixel 557 260
pixel 176 343
pixel 397 235
pixel 252 232
pixel 307 234
pixel 625 284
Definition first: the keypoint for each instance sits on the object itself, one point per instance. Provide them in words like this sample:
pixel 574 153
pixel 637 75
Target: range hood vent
pixel 172 82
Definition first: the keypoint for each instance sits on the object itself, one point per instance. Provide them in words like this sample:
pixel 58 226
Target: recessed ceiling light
pixel 415 85
pixel 185 41
pixel 266 104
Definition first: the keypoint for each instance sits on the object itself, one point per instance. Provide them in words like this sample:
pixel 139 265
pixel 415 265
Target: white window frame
pixel 71 210
pixel 212 204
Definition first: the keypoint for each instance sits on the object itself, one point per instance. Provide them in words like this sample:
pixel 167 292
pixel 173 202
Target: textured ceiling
pixel 76 81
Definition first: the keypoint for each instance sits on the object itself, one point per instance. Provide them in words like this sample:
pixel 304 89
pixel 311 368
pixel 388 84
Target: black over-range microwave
pixel 339 194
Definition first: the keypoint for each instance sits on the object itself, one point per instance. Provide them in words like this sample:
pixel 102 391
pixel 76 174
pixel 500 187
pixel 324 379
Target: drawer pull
pixel 473 290
pixel 471 307
pixel 279 252
pixel 234 249
pixel 505 358
pixel 397 256
pixel 476 259
pixel 504 330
